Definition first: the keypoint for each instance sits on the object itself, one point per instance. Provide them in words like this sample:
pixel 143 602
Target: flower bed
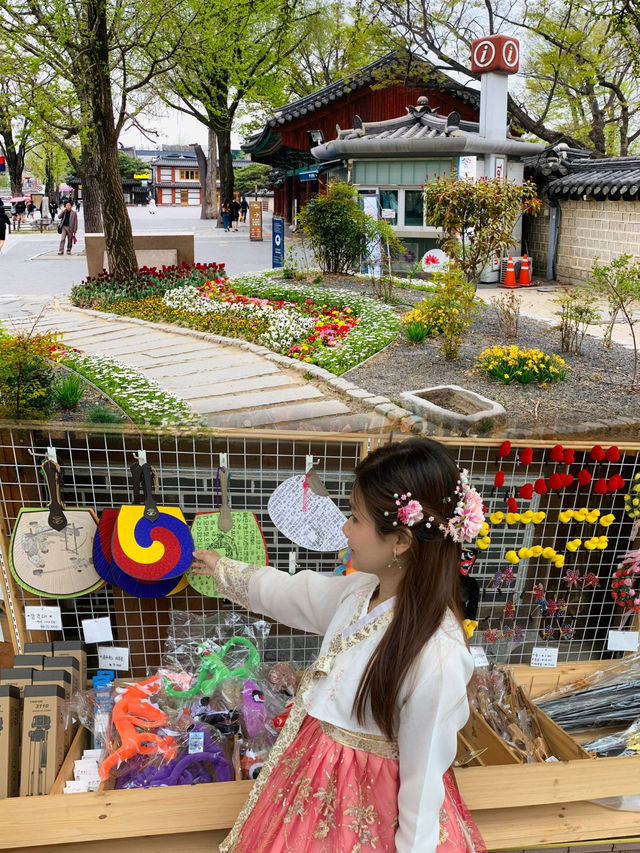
pixel 335 329
pixel 144 401
pixel 103 290
pixel 511 364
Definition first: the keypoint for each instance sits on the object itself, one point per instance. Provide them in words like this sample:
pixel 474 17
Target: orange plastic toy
pixel 131 713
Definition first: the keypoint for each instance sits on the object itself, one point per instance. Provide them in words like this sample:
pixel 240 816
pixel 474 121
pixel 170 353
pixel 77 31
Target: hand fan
pixel 302 510
pixel 150 543
pixel 51 550
pixel 102 562
pixel 232 533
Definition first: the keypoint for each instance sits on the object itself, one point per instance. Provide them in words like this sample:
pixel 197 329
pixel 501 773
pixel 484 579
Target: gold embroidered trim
pixel 232 579
pixel 377 744
pixel 298 712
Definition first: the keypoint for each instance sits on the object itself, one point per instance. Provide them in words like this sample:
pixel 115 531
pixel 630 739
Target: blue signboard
pixel 277 242
pixel 311 175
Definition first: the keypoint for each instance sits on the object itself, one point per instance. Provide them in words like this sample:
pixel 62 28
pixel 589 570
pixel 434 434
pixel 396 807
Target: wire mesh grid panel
pixel 573 613
pixel 545 578
pixel 95 468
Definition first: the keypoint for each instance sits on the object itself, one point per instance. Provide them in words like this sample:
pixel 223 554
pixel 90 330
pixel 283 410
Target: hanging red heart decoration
pixel 597 453
pixel 557 453
pixel 616 482
pixel 584 477
pixel 555 482
pixel 526 456
pixel 512 505
pixel 505 449
pixel 498 480
pixel 540 487
pixel 613 454
pixel 526 491
pixel 600 487
pixel 568 456
pixel 567 479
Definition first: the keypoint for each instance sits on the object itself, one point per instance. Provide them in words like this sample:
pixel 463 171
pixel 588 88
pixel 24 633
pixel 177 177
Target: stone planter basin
pixel 454 407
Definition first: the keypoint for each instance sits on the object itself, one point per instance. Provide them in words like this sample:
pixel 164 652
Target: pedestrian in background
pixel 4 221
pixel 226 215
pixel 244 207
pixel 67 227
pixel 235 214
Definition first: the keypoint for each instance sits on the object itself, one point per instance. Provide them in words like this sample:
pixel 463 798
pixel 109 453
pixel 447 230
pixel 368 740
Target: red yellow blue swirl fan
pixel 150 543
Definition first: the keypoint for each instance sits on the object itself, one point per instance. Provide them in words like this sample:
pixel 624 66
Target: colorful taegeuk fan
pixel 232 533
pixel 104 567
pixel 150 544
pixel 51 550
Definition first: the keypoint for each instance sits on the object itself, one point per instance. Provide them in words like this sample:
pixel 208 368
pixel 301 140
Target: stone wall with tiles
pixel 588 229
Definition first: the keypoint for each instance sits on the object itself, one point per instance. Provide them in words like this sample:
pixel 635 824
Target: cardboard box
pixel 61 678
pixel 43 738
pixel 9 741
pixel 68 662
pixel 78 650
pixel 38 649
pixel 20 678
pixel 28 662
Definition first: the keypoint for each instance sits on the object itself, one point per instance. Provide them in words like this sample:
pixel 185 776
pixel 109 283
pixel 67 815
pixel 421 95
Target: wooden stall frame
pixel 515 806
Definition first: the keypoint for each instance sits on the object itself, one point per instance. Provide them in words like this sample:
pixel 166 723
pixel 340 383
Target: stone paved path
pixel 229 385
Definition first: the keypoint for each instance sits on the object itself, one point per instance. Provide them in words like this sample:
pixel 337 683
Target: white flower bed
pixel 143 399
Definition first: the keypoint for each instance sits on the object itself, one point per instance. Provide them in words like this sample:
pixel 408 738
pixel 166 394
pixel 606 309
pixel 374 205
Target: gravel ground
pixel 594 399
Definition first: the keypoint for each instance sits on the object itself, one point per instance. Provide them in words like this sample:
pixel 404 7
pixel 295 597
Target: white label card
pixel 544 656
pixel 113 657
pixel 479 656
pixel 97 630
pixel 43 618
pixel 622 641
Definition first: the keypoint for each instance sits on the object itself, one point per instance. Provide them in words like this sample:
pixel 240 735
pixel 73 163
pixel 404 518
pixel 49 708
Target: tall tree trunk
pixel 91 201
pixel 15 160
pixel 211 191
pixel 49 180
pixel 117 226
pixel 226 166
pixel 201 157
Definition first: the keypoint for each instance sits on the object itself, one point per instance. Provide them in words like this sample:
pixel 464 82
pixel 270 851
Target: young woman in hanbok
pixel 363 762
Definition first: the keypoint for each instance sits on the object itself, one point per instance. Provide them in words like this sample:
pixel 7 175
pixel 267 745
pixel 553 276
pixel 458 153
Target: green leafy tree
pixel 477 218
pixel 578 83
pixel 247 178
pixel 231 67
pixel 619 283
pixel 130 166
pixel 340 232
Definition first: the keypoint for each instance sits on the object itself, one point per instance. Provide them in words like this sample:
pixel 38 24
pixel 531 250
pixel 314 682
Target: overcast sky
pixel 174 128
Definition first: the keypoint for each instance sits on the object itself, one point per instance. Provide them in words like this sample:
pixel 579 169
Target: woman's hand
pixel 205 562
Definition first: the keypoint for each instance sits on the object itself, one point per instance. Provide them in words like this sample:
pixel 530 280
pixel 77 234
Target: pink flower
pixel 411 513
pixel 472 516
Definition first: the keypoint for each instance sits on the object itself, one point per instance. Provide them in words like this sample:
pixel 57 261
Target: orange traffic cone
pixel 510 275
pixel 524 279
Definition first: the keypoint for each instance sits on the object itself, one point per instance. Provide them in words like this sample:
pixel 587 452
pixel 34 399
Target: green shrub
pixel 512 364
pixel 576 314
pixel 340 232
pixel 416 331
pixel 26 374
pixel 101 414
pixel 449 312
pixel 68 390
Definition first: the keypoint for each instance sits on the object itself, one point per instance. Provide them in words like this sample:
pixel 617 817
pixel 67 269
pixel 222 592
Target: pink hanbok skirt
pixel 325 797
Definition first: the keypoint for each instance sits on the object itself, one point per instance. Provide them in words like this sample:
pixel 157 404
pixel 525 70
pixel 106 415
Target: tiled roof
pixel 611 177
pixel 180 160
pixel 363 77
pixel 419 123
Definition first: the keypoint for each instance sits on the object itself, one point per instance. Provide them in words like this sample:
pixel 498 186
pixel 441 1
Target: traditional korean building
pixel 390 161
pixel 373 93
pixel 176 178
pixel 590 209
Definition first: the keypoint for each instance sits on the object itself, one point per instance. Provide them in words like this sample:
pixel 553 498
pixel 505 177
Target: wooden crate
pixel 515 806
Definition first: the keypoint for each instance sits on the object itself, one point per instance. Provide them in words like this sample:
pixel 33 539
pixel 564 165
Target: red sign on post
pixel 495 53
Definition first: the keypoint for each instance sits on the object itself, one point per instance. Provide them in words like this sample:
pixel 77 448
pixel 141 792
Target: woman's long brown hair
pixel 431 581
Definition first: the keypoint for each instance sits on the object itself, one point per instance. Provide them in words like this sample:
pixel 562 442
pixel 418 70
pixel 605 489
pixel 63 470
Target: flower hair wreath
pixel 463 526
